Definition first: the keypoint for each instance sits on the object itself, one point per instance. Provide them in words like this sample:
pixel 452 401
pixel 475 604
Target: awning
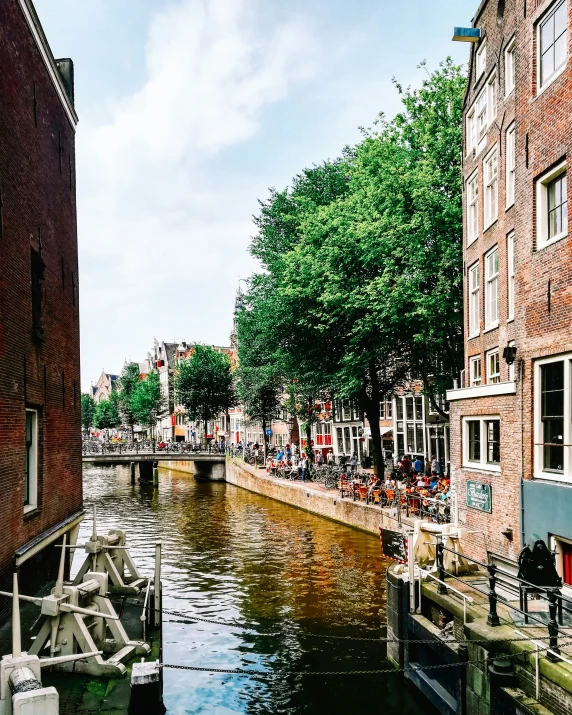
pixel 385 430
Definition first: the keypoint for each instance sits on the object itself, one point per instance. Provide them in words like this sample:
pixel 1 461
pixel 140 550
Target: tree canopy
pixel 87 410
pixel 361 285
pixel 147 401
pixel 204 384
pixel 106 415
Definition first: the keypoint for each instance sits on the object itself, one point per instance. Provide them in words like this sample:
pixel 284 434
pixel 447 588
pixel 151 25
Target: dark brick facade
pixel 541 326
pixel 38 214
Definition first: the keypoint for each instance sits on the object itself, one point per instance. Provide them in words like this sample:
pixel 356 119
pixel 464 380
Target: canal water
pixel 280 573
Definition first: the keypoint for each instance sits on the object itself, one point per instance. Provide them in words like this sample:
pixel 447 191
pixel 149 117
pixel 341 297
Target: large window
pixel 552 206
pixel 492 289
pixel 510 164
pixel 471 131
pixel 410 432
pixel 509 67
pixel 31 461
pixel 491 180
pixel 481 443
pixel 510 274
pixel 473 208
pixel 552 416
pixel 552 38
pixel 474 301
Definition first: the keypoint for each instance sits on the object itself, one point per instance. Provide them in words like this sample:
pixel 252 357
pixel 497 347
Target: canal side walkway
pixel 312 497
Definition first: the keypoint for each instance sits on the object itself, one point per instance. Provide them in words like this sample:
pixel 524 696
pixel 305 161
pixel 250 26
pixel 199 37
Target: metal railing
pixel 553 595
pixel 125 448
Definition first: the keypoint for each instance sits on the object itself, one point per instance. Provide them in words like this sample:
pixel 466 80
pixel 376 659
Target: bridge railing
pixel 108 449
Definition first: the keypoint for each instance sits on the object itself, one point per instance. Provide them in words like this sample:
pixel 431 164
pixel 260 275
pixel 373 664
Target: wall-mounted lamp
pixel 508 533
pixel 509 354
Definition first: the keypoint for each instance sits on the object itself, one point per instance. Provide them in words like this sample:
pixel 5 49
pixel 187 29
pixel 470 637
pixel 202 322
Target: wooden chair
pixel 363 493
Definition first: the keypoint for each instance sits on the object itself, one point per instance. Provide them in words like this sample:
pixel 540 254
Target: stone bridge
pixel 202 464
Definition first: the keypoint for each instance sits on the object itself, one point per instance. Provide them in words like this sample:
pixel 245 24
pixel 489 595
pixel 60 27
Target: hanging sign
pixel 393 545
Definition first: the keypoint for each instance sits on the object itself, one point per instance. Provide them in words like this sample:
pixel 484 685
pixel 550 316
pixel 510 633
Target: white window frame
pixel 474 380
pixel 555 545
pixel 491 187
pixel 510 154
pixel 491 321
pixel 493 378
pixel 474 300
pixel 32 502
pixel 510 273
pixel 540 87
pixel 481 60
pixel 482 464
pixel 542 184
pixel 473 207
pixel 539 472
pixel 509 67
pixel 471 130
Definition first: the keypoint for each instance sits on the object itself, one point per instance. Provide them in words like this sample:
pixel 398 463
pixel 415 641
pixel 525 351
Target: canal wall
pixel 366 517
pixel 213 471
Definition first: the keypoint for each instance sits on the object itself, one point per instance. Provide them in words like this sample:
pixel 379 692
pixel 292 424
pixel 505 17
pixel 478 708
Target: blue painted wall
pixel 547 509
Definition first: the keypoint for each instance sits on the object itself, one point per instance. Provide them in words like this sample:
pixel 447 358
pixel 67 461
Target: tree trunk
pixel 206 432
pixel 265 438
pixel 372 412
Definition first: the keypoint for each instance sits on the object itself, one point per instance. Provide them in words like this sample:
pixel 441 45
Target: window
pixel 31 461
pixel 382 410
pixel 474 300
pixel 389 410
pixel 552 206
pixel 510 274
pixel 471 131
pixel 491 188
pixel 399 407
pixel 473 208
pixel 492 289
pixel 557 206
pixel 475 371
pixel 509 67
pixel 492 428
pixel 474 429
pixel 493 367
pixel 481 61
pixel 482 114
pixel 419 408
pixel 409 408
pixel 492 97
pixel 552 416
pixel 552 37
pixel 510 164
pixel 481 443
pixel 347 411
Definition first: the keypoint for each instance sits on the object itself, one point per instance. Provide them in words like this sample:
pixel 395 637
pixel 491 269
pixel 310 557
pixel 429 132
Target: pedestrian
pixel 330 457
pixel 405 465
pixel 288 453
pixel 353 463
pixel 418 465
pixel 343 460
pixel 319 459
pixel 435 465
pixel 304 466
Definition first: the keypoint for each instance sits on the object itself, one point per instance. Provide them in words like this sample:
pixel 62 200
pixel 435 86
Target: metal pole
pixel 157 586
pixel 16 634
pixel 493 618
pixel 552 626
pixel 411 565
pixel 441 588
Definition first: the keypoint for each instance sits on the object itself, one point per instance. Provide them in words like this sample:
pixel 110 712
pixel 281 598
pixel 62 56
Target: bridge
pixel 205 465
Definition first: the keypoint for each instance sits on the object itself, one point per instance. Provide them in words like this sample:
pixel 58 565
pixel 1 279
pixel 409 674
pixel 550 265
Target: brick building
pixel 511 421
pixel 40 406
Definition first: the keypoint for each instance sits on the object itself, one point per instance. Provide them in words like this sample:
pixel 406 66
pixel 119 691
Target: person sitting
pixel 421 481
pixel 280 455
pixel 434 482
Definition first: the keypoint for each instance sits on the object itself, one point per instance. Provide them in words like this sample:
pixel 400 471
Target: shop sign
pixel 479 496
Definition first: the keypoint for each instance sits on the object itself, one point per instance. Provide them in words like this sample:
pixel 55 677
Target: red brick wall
pixel 37 199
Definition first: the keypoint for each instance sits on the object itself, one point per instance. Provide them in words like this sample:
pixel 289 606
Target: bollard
pixel 441 588
pixel 132 471
pixel 155 473
pixel 146 689
pixel 157 587
pixel 552 625
pixel 493 618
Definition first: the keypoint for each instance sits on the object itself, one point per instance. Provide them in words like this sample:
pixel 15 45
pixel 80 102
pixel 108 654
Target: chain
pixel 390 671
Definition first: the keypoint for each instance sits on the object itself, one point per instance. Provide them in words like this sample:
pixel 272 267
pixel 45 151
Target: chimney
pixel 65 68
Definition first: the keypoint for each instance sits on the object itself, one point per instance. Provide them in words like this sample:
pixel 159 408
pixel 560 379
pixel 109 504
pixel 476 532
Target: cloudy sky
pixel 189 110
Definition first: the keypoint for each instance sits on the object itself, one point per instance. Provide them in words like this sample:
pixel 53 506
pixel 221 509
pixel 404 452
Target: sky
pixel 189 111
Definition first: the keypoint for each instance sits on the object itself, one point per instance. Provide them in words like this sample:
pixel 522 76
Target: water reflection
pixel 232 555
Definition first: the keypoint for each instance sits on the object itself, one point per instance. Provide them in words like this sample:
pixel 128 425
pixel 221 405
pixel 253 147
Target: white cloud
pixel 160 233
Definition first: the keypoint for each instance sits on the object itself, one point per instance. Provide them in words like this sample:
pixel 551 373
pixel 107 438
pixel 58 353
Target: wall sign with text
pixel 479 496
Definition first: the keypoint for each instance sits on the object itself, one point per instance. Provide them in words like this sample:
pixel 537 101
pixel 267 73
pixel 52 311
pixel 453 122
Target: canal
pixel 231 555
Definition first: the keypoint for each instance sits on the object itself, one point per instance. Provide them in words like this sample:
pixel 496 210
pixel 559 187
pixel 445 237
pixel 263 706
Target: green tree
pixel 362 287
pixel 204 384
pixel 127 384
pixel 87 410
pixel 106 415
pixel 147 401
